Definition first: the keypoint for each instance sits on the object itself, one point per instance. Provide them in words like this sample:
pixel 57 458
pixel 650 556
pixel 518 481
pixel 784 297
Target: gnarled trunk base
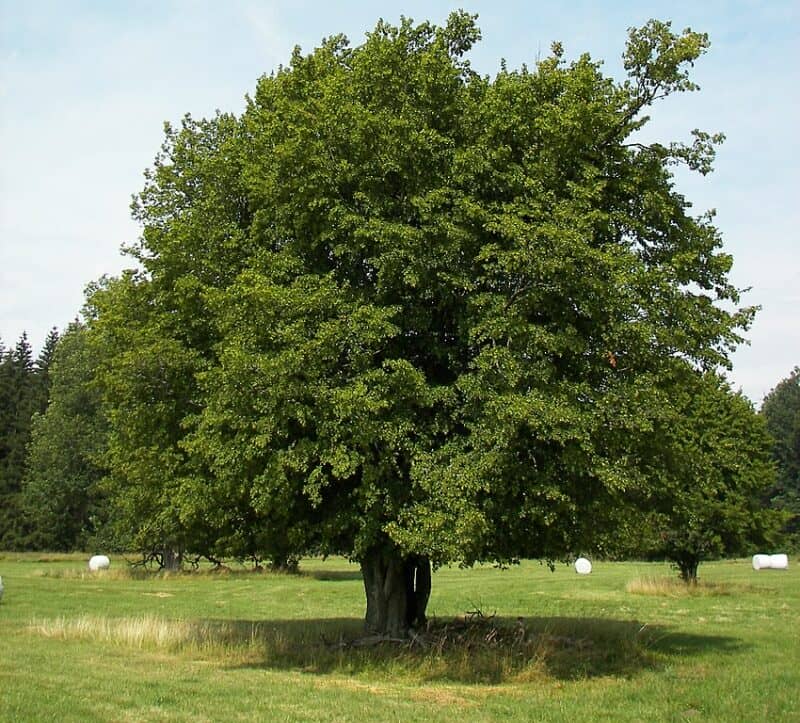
pixel 397 590
pixel 171 559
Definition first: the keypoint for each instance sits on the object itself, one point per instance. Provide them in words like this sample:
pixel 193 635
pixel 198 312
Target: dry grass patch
pixel 674 587
pixel 125 570
pixel 112 573
pixel 39 557
pixel 443 698
pixel 138 632
pixel 147 631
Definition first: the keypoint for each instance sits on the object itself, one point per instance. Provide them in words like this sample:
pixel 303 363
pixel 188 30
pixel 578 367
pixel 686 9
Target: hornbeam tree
pixel 413 315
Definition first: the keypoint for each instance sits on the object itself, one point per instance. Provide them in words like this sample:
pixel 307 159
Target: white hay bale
pixel 1 588
pixel 771 562
pixel 583 566
pixel 779 562
pixel 99 562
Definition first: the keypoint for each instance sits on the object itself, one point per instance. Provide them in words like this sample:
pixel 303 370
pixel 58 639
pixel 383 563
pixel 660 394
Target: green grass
pixel 622 644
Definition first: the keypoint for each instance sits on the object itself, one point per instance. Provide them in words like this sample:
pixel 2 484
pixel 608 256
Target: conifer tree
pixel 42 370
pixel 60 495
pixel 18 406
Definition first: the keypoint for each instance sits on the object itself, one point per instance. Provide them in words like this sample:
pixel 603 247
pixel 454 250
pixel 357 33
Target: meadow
pixel 622 644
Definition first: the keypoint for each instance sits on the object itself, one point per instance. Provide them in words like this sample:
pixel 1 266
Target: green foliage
pixel 399 309
pixel 710 467
pixel 147 378
pixel 60 495
pixel 781 411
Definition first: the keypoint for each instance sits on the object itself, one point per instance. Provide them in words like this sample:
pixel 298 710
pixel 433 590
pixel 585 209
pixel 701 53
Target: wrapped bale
pixel 771 562
pixel 779 562
pixel 583 566
pixel 99 562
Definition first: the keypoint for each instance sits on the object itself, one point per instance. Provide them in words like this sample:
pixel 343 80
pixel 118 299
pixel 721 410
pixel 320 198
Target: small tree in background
pixel 711 469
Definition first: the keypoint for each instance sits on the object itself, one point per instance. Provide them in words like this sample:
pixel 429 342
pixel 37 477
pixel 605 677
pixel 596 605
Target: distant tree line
pixel 24 394
pixel 781 410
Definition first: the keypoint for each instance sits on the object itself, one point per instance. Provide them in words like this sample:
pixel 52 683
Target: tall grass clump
pixel 673 587
pixel 112 573
pixel 149 631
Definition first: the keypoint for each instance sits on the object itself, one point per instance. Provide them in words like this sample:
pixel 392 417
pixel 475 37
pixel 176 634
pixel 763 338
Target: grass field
pixel 622 644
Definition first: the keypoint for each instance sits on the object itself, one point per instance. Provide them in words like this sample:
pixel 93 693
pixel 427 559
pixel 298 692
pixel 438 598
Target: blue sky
pixel 85 86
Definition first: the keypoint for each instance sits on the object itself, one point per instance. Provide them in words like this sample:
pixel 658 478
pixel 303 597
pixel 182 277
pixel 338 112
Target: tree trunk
pixel 688 570
pixel 284 563
pixel 397 590
pixel 418 590
pixel 172 559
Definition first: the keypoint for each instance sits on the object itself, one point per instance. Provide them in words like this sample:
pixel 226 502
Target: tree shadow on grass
pixel 590 647
pixel 473 650
pixel 332 575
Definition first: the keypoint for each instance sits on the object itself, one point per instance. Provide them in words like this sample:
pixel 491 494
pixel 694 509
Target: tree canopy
pixel 411 314
pixel 711 467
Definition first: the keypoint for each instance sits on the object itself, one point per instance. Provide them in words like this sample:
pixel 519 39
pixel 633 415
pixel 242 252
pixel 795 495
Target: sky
pixel 86 85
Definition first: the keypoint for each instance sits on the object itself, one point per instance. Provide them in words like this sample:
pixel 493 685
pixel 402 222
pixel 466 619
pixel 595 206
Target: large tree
pixel 410 314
